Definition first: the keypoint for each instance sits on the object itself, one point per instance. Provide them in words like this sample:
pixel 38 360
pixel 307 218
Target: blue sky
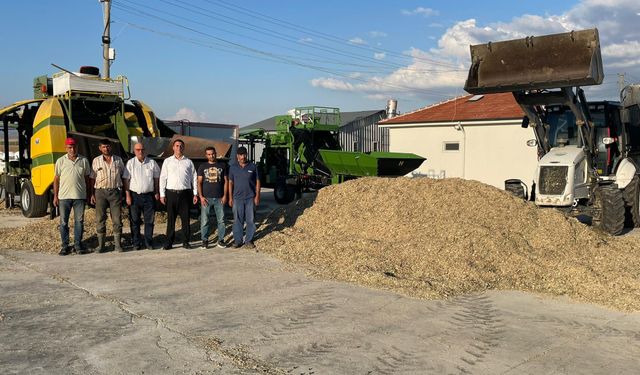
pixel 239 62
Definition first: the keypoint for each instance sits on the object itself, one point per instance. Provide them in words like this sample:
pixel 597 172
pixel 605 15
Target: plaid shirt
pixel 107 176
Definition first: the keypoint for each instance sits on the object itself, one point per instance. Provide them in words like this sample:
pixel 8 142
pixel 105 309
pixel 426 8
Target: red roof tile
pixel 490 107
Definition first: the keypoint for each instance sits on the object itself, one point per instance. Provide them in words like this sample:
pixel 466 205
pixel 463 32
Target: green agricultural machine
pixel 304 154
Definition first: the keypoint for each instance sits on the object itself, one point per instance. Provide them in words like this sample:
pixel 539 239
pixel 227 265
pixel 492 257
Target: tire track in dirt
pixel 478 318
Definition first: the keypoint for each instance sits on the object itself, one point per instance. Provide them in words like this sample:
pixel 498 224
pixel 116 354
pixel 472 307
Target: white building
pixel 473 137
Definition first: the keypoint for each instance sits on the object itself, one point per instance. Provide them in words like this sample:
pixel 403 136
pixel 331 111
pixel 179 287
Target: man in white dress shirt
pixel 142 188
pixel 178 189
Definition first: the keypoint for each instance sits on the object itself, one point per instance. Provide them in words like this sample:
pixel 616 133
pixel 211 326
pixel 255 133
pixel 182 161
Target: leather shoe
pixel 186 245
pixel 167 247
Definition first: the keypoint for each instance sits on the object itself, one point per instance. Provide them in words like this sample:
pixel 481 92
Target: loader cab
pixel 606 119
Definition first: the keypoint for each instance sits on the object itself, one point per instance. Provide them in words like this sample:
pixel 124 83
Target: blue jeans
pixel 243 212
pixel 205 218
pixel 142 204
pixel 78 221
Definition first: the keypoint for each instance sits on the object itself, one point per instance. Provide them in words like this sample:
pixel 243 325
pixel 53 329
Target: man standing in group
pixel 178 189
pixel 142 189
pixel 70 185
pixel 107 171
pixel 213 186
pixel 244 191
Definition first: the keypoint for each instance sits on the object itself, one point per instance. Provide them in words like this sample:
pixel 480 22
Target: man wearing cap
pixel 106 178
pixel 178 189
pixel 70 185
pixel 244 197
pixel 141 184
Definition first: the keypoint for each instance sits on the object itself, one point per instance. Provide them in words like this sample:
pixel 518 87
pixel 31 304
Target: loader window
pixel 562 128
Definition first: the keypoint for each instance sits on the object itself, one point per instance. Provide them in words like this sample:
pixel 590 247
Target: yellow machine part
pixel 133 125
pixel 47 144
pixel 149 117
pixel 18 104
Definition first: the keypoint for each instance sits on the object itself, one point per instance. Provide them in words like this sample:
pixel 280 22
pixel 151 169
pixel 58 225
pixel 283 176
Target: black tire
pixel 609 209
pixel 32 205
pixel 284 193
pixel 631 195
pixel 515 187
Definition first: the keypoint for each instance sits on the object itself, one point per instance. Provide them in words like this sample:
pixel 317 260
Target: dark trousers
pixel 178 204
pixel 142 204
pixel 112 199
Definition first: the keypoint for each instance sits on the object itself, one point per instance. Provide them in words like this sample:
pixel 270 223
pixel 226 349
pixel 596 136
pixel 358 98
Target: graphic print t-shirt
pixel 212 179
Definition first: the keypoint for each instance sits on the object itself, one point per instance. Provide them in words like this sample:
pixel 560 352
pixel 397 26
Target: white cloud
pixel 306 40
pixel 332 84
pixel 434 70
pixel 377 34
pixel 379 56
pixel 426 12
pixel 185 113
pixel 357 40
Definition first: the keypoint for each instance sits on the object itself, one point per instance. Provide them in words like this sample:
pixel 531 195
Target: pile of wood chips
pixel 441 238
pixel 43 235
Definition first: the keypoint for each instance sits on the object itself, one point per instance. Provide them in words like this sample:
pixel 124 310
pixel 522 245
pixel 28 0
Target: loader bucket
pixel 359 164
pixel 541 62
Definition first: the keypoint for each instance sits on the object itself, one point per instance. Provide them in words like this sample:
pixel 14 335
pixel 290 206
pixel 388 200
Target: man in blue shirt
pixel 244 197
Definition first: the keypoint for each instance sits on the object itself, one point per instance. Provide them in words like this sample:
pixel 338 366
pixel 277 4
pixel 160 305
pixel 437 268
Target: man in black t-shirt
pixel 213 186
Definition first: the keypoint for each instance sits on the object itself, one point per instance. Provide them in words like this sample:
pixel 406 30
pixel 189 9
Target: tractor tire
pixel 610 210
pixel 283 193
pixel 516 187
pixel 631 195
pixel 32 205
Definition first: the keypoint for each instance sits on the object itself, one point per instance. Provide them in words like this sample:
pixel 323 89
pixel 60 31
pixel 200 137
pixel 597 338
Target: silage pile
pixel 440 238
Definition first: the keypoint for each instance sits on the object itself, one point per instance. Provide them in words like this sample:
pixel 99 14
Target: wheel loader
pixel 88 108
pixel 588 152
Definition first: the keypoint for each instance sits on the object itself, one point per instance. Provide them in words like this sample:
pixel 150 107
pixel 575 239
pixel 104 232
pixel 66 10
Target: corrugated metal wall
pixel 363 134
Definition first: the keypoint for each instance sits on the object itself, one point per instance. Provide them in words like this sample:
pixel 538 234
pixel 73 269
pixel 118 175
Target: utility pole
pixel 621 83
pixel 106 38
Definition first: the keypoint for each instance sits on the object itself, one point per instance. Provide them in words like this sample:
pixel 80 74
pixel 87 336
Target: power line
pixel 274 57
pixel 326 36
pixel 217 16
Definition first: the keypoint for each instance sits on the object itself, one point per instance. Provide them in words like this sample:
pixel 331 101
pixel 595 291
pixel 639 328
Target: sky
pixel 239 62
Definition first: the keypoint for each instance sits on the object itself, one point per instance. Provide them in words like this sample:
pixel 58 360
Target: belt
pixel 177 191
pixel 108 189
pixel 147 193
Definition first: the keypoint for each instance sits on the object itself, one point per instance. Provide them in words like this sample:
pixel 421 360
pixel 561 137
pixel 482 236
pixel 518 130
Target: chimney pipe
pixel 392 106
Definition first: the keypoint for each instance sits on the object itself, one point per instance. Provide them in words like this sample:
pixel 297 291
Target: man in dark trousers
pixel 142 187
pixel 244 192
pixel 213 186
pixel 106 179
pixel 178 189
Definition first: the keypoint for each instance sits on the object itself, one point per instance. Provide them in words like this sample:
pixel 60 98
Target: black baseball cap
pixel 242 150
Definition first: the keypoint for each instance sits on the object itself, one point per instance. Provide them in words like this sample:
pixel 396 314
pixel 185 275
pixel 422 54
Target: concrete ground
pixel 235 311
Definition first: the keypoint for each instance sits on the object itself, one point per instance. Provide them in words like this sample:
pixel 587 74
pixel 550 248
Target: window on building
pixel 451 146
pixel 375 146
pixel 355 146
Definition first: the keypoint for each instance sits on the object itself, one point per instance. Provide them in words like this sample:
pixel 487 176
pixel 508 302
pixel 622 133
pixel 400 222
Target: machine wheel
pixel 284 193
pixel 609 207
pixel 516 187
pixel 32 205
pixel 632 204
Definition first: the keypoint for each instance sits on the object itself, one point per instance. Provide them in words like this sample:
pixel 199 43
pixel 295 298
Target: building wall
pixel 364 135
pixel 486 153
